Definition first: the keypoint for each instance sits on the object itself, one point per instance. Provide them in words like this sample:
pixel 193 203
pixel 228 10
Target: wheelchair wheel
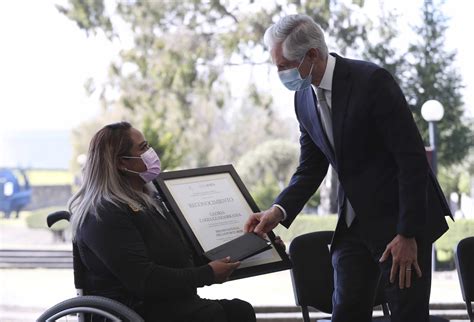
pixel 97 306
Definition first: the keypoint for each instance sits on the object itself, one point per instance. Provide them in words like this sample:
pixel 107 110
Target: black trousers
pixel 357 273
pixel 203 310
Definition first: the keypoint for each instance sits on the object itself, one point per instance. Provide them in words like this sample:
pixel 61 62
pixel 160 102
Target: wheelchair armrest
pixel 57 216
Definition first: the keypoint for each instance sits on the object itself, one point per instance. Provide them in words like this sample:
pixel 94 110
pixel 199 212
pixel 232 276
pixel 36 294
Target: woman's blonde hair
pixel 102 181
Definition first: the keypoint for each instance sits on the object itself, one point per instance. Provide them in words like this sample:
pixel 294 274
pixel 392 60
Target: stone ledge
pixel 297 317
pixel 294 308
pixel 450 311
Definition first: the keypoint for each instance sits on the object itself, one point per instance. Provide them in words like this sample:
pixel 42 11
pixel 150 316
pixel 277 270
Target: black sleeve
pixel 394 122
pixel 309 174
pixel 117 242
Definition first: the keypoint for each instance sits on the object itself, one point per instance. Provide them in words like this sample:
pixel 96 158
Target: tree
pixel 343 21
pixel 380 47
pixel 434 77
pixel 82 135
pixel 172 88
pixel 425 71
pixel 274 159
pixel 169 76
pixel 267 169
pixel 171 66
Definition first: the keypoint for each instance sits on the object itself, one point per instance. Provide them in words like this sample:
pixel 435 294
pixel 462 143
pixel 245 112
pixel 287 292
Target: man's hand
pixel 223 268
pixel 262 222
pixel 404 259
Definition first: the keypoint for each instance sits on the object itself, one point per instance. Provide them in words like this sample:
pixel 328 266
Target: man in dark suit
pixel 354 117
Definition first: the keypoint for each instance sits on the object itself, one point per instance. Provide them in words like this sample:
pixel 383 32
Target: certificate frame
pixel 273 260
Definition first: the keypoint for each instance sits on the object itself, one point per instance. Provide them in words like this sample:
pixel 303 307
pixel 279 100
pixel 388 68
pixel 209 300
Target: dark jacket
pixel 379 156
pixel 138 257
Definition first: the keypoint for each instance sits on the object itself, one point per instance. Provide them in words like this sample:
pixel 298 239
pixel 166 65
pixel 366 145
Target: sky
pixel 44 63
pixel 45 60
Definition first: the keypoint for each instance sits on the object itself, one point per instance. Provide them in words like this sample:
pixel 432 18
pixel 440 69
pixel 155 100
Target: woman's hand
pixel 223 268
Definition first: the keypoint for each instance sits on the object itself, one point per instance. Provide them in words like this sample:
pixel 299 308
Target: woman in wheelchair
pixel 131 247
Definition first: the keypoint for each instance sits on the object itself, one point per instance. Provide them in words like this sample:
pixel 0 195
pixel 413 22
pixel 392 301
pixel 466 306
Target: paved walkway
pixel 25 292
pixel 14 234
pixel 30 291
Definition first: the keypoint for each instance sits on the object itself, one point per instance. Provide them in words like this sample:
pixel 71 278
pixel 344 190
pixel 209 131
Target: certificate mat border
pixel 282 264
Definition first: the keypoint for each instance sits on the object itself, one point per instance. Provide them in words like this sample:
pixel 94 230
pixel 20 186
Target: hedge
pixel 37 219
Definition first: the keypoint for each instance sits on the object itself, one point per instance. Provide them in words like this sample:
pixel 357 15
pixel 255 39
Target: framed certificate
pixel 212 205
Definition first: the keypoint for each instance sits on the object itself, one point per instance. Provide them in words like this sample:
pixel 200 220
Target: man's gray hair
pixel 297 34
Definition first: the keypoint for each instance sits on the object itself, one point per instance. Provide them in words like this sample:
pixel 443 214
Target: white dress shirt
pixel 326 81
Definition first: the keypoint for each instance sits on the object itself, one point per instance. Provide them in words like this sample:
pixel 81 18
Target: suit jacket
pixel 378 154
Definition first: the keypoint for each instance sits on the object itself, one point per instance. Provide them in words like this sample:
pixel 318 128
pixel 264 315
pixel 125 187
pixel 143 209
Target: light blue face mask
pixel 292 80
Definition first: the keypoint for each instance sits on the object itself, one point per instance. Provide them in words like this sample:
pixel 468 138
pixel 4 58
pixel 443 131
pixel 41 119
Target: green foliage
pixel 37 219
pixel 459 229
pixel 169 80
pixel 343 22
pixel 88 15
pixel 163 143
pixel 425 71
pixel 457 177
pixel 273 160
pixel 464 184
pixel 266 169
pixel 157 81
pixel 435 77
pixel 314 201
pixel 264 194
pixel 381 48
pixel 82 135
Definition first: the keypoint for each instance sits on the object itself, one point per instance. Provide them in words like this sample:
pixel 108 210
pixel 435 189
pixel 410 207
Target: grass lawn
pixel 49 177
pixel 305 224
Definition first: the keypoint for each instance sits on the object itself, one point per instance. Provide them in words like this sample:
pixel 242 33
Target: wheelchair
pixel 85 307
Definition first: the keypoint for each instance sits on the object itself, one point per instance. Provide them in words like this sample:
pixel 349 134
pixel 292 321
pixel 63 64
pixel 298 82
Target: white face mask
pixel 292 80
pixel 152 163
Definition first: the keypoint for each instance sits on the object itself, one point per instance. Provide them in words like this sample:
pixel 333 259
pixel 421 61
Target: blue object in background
pixel 13 195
